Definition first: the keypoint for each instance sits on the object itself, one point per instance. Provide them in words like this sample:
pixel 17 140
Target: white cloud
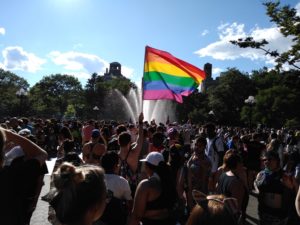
pixel 15 58
pixel 204 33
pixel 216 71
pixel 82 65
pixel 127 72
pixel 77 61
pixel 224 50
pixel 2 31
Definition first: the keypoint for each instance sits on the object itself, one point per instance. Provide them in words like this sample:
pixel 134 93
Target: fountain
pixel 159 110
pixel 116 105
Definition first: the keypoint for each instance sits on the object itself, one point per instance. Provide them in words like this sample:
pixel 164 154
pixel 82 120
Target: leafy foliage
pixel 52 95
pixel 9 85
pixel 228 97
pixel 288 21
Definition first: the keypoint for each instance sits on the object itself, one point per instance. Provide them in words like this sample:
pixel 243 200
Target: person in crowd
pixel 14 124
pixel 233 142
pixel 274 144
pixel 87 130
pixel 231 185
pixel 26 124
pixel 120 199
pixel 156 195
pixel 275 189
pixel 157 144
pixel 133 132
pixel 105 133
pixel 64 134
pixel 113 144
pixel 174 152
pixel 20 180
pixel 93 150
pixel 214 151
pixel 146 145
pixel 241 173
pixel 213 209
pixel 255 149
pixel 199 168
pixel 129 155
pixel 81 194
pixel 75 129
pixel 70 155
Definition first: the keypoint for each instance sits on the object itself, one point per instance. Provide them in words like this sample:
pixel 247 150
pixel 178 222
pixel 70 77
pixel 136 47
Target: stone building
pixel 113 72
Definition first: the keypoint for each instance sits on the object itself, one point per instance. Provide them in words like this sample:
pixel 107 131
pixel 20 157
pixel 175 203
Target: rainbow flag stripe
pixel 167 77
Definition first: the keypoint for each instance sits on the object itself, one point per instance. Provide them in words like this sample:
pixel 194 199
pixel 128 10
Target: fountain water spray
pixel 152 109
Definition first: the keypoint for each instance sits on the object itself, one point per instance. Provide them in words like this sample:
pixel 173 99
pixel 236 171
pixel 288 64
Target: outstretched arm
pixel 30 149
pixel 139 144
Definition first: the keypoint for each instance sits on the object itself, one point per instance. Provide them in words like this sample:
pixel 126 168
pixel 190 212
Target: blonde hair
pixel 78 190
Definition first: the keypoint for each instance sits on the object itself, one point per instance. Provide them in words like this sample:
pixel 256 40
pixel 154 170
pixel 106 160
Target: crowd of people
pixel 118 173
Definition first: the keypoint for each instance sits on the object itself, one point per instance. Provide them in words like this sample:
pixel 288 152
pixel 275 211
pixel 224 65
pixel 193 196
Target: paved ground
pixel 40 215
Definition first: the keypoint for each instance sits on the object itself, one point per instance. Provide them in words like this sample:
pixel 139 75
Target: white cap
pixel 154 158
pixel 24 132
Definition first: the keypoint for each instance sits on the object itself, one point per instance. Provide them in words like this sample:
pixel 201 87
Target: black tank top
pixel 224 188
pixel 158 203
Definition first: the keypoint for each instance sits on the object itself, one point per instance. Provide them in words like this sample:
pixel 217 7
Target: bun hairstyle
pixel 214 209
pixel 78 189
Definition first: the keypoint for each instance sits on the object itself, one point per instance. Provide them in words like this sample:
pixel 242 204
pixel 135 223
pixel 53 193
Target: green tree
pixel 264 79
pixel 10 105
pixel 70 111
pixel 194 107
pixel 227 98
pixel 275 106
pixel 52 95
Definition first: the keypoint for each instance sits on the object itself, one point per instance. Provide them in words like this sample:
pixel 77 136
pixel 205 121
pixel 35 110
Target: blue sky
pixel 79 37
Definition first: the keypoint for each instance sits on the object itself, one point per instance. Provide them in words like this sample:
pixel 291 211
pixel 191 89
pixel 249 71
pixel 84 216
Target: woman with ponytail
pixel 81 194
pixel 156 195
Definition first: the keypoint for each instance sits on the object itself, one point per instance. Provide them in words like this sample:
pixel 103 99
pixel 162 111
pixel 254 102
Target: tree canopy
pixel 287 20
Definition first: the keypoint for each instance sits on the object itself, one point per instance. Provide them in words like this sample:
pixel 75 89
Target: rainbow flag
pixel 167 77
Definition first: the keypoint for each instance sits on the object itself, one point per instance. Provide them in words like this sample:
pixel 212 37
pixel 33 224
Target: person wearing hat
pixel 156 195
pixel 275 190
pixel 93 151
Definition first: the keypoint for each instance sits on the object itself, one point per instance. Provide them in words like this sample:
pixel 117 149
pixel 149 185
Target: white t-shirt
pixel 119 186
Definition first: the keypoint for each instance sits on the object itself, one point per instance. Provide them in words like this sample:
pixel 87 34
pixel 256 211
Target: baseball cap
pixel 95 133
pixel 24 132
pixel 154 158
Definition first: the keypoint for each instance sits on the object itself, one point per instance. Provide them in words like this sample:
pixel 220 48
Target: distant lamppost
pixel 21 94
pixel 250 101
pixel 96 110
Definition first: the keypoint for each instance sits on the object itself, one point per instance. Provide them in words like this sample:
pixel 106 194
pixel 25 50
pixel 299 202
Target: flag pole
pixel 142 87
